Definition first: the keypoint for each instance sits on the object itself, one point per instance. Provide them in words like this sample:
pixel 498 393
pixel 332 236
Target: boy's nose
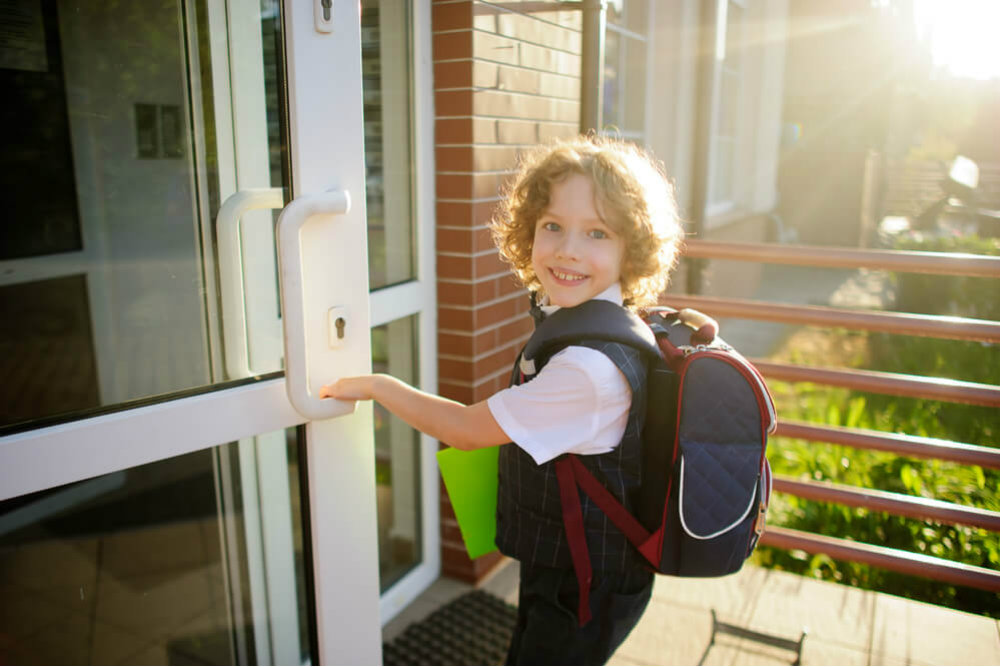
pixel 569 246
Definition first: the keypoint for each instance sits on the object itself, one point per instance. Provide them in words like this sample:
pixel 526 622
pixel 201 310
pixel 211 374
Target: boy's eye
pixel 550 226
pixel 598 234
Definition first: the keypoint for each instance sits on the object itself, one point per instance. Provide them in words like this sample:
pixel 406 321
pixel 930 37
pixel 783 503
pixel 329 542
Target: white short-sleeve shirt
pixel 578 403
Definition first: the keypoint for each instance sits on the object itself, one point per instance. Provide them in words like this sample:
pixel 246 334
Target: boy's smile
pixel 575 255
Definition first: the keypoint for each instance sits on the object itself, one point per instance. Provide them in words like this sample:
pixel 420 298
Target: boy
pixel 590 218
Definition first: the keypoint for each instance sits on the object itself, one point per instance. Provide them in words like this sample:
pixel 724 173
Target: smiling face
pixel 575 255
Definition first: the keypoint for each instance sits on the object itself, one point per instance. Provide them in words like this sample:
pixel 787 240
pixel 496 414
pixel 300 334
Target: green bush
pixel 948 295
pixel 967 485
pixel 948 359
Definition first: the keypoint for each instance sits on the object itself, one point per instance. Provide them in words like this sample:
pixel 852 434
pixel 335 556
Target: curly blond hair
pixel 632 195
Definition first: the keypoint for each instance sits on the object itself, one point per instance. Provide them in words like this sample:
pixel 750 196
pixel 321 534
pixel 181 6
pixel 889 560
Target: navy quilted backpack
pixel 706 481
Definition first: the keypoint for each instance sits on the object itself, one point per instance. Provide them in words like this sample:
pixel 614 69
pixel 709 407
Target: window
pixel 727 113
pixel 625 69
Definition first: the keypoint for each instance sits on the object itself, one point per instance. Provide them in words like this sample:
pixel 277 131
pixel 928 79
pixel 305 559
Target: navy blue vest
pixel 529 513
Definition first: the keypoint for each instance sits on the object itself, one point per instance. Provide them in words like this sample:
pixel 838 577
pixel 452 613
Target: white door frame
pixel 323 74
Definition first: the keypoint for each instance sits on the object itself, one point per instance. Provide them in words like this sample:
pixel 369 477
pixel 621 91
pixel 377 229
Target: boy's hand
pixel 349 389
pixel 464 427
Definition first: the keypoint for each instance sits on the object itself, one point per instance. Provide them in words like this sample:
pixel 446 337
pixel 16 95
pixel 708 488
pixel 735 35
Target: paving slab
pixel 732 596
pixel 759 654
pixel 887 660
pixel 918 633
pixel 622 661
pixel 819 652
pixel 671 634
pixel 503 582
pixel 787 604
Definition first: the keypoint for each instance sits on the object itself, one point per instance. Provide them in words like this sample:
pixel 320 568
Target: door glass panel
pixel 144 118
pixel 161 564
pixel 397 457
pixel 385 63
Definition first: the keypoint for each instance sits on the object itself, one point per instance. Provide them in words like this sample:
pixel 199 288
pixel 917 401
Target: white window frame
pixel 419 297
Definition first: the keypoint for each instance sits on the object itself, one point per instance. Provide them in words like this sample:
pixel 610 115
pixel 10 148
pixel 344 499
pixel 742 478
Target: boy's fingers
pixel 344 389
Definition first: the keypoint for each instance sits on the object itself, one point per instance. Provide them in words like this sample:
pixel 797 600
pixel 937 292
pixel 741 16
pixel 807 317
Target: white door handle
pixel 227 232
pixel 290 222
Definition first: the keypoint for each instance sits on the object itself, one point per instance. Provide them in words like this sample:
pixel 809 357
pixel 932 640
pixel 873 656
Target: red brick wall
pixel 505 77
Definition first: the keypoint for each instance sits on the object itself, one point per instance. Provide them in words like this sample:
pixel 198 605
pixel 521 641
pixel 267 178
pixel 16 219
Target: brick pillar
pixel 503 80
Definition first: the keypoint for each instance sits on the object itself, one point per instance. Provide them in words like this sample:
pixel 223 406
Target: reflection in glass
pixel 385 63
pixel 625 53
pixel 613 80
pixel 629 14
pixel 127 110
pixel 46 349
pixel 40 214
pixel 397 457
pixel 159 564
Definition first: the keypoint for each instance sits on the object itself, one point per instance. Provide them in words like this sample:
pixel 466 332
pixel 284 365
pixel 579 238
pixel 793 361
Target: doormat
pixel 473 629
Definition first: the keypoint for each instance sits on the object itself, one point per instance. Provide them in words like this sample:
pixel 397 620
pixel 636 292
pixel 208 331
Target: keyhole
pixel 327 6
pixel 340 323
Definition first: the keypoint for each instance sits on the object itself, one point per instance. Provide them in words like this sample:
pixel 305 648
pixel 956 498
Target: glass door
pixel 161 498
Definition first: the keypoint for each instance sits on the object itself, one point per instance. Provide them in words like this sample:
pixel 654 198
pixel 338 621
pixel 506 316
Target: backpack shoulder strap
pixel 592 320
pixel 572 474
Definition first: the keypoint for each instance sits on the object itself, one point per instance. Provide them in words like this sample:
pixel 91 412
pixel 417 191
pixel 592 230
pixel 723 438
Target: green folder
pixel 471 481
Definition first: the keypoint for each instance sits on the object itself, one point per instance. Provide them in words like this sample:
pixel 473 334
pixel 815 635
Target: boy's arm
pixel 457 425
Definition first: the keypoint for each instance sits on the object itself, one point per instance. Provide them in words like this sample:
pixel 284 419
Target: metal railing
pixel 955 264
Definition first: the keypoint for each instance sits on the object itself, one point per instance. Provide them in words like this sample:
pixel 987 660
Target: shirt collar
pixel 612 294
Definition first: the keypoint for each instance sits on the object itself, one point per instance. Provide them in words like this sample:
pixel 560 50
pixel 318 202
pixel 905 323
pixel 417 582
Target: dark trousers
pixel 548 631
